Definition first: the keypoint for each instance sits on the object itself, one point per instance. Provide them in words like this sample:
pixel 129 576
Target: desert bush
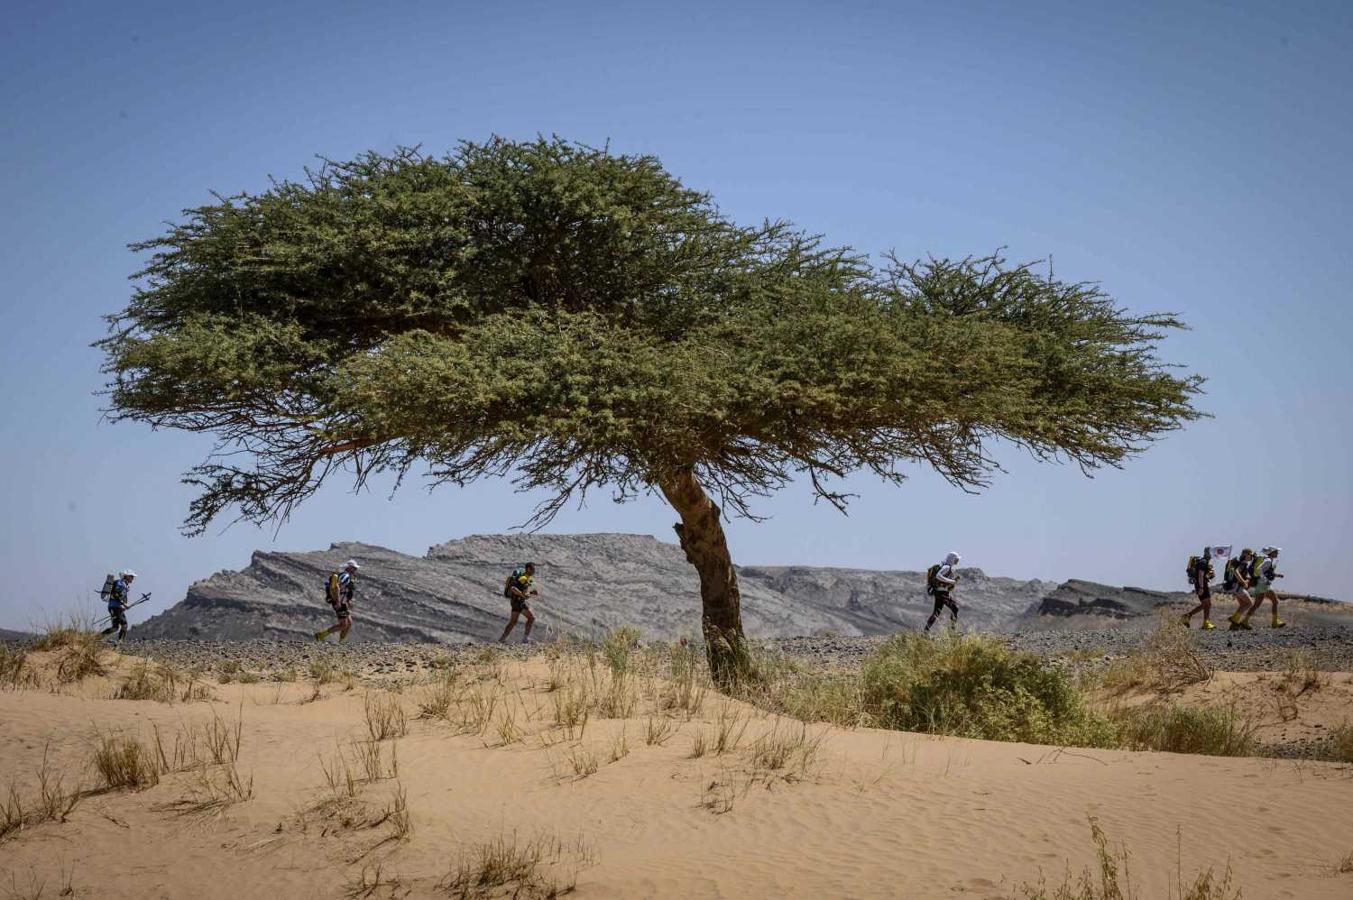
pixel 784 685
pixel 1186 729
pixel 977 687
pixel 537 869
pixel 1167 661
pixel 618 646
pixel 122 761
pixel 385 717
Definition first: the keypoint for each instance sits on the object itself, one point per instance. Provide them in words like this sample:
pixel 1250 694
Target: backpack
pixel 1257 568
pixel 930 582
pixel 511 579
pixel 1197 564
pixel 331 589
pixel 1229 575
pixel 106 592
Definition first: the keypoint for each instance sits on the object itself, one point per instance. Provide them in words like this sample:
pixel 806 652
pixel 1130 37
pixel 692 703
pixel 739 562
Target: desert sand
pixel 848 813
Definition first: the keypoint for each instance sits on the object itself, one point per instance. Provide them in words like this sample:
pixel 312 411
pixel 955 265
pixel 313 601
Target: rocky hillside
pixel 588 583
pixel 1076 597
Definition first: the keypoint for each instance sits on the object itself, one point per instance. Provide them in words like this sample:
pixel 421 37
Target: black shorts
pixel 1204 592
pixel 117 616
pixel 343 611
pixel 519 604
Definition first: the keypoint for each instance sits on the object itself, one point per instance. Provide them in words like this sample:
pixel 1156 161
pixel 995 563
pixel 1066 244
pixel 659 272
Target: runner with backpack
pixel 116 594
pixel 940 580
pixel 1236 580
pixel 339 590
pixel 1263 572
pixel 1200 574
pixel 520 586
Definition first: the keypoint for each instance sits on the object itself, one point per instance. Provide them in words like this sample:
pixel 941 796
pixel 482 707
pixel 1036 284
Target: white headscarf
pixel 951 558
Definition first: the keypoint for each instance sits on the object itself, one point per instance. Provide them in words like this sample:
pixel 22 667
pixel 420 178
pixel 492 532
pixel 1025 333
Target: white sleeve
pixel 943 576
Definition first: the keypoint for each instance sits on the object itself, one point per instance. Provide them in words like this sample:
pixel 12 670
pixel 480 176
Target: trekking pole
pixel 106 618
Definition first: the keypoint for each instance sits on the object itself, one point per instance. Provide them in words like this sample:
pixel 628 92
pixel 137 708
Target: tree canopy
pixel 579 319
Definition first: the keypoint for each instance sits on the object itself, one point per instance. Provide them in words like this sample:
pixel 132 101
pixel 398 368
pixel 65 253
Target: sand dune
pixel 851 813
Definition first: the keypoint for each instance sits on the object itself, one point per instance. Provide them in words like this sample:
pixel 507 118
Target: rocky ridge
pixel 588 584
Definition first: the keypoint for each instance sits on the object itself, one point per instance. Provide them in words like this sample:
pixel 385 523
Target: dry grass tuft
pixel 620 746
pixel 790 750
pixel 1340 746
pixel 79 660
pixel 397 814
pixel 16 673
pixel 71 630
pixel 147 682
pixel 541 868
pixel 52 804
pixel 583 762
pixel 685 692
pixel 438 698
pixel 1300 676
pixel 1112 879
pixel 122 761
pixel 658 731
pixel 1168 661
pixel 212 791
pixel 374 881
pixel 385 717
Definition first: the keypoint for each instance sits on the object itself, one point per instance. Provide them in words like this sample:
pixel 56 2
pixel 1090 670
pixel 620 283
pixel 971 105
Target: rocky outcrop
pixel 588 583
pixel 1077 598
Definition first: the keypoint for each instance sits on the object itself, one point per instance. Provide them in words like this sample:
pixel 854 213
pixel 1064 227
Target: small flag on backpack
pixel 1222 552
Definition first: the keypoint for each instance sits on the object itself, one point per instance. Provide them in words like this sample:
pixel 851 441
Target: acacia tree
pixel 580 319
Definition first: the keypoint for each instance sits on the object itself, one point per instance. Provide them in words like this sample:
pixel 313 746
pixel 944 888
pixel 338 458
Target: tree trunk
pixel 702 539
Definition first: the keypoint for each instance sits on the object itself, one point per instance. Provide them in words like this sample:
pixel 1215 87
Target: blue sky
pixel 1192 157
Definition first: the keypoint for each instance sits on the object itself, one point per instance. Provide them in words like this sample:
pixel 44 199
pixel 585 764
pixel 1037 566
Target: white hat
pixel 126 573
pixel 1273 549
pixel 351 564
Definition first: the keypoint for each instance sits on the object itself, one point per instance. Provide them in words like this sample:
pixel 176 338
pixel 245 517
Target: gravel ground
pixel 1327 639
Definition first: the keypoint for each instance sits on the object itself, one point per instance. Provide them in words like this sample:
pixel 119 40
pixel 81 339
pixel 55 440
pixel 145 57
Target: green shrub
pixel 977 687
pixel 617 646
pixel 1186 729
